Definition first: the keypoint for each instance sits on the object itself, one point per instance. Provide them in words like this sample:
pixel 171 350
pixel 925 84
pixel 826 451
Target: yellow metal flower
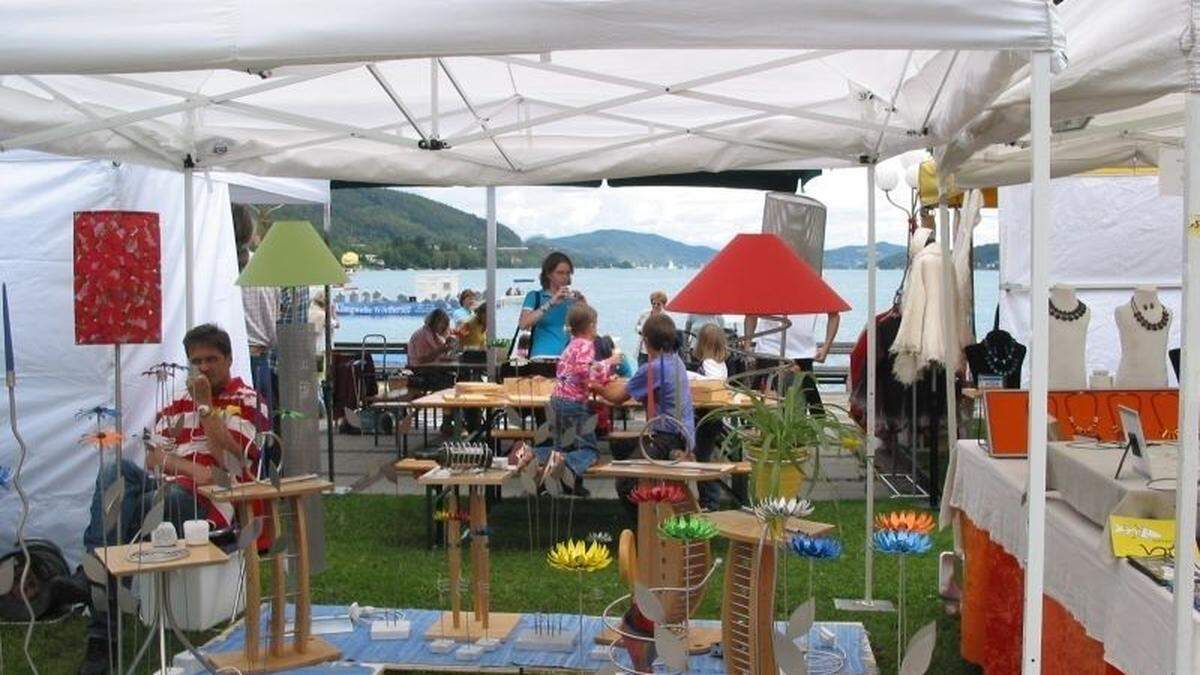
pixel 577 556
pixel 910 521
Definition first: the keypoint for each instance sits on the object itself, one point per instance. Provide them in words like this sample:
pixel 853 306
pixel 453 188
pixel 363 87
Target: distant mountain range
pixel 894 256
pixel 633 248
pixel 408 231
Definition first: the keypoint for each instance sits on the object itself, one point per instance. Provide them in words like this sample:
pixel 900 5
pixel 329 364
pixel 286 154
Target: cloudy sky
pixel 707 216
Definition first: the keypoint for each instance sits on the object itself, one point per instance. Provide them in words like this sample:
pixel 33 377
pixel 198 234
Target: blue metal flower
pixel 901 542
pixel 96 412
pixel 6 475
pixel 819 548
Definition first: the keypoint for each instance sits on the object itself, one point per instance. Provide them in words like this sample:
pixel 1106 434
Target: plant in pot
pixel 500 348
pixel 782 439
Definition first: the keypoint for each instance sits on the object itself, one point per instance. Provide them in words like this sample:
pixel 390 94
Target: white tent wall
pixel 55 377
pixel 1113 231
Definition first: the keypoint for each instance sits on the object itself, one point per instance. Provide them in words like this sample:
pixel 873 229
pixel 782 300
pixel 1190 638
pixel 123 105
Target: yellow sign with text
pixel 1141 537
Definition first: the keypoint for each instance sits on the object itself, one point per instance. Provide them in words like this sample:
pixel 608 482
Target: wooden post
pixel 480 568
pixel 454 552
pixel 253 592
pixel 303 620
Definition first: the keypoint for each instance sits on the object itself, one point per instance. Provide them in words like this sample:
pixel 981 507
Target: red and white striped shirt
pixel 244 413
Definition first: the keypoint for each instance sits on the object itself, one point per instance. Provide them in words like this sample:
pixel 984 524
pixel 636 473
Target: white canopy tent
pixel 524 92
pixel 1131 91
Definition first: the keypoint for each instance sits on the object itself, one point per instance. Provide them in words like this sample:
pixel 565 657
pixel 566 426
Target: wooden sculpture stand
pixel 664 563
pixel 483 623
pixel 305 649
pixel 748 605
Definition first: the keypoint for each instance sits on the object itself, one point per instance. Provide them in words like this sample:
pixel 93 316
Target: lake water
pixel 619 295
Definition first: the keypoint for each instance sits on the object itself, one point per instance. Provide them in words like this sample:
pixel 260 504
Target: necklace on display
pixel 1072 315
pixel 1002 361
pixel 1144 322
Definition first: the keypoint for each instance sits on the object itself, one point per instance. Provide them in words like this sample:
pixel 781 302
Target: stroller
pixel 358 417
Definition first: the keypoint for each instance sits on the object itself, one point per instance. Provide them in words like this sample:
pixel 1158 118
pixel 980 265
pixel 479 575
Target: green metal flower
pixel 687 528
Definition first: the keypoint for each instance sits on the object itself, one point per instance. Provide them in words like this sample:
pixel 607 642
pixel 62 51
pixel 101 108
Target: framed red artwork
pixel 118 278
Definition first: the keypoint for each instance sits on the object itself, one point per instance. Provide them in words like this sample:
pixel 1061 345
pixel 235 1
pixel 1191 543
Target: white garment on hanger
pixel 920 339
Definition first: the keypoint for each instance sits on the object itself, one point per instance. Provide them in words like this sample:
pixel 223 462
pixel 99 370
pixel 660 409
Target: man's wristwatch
pixel 204 410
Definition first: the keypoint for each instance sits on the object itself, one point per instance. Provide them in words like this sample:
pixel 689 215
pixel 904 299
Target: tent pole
pixel 1039 125
pixel 950 333
pixel 189 253
pixel 868 603
pixel 1189 384
pixel 491 280
pixel 327 382
pixel 872 368
pixel 433 98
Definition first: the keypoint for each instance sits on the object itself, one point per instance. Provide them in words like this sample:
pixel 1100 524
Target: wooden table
pixel 118 562
pixel 305 649
pixel 483 623
pixel 748 605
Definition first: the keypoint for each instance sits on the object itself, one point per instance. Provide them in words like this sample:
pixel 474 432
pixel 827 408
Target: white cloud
pixel 705 216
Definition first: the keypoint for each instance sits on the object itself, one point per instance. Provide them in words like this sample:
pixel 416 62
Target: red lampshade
pixel 757 274
pixel 118 283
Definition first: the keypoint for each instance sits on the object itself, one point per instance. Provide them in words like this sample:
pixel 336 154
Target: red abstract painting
pixel 118 280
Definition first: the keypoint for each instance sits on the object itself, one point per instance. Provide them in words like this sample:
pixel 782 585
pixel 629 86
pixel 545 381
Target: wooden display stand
pixel 663 563
pixel 305 649
pixel 748 606
pixel 484 623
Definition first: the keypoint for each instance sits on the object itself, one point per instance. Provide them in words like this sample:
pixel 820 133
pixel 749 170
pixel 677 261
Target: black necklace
pixel 1073 315
pixel 1145 323
pixel 1004 362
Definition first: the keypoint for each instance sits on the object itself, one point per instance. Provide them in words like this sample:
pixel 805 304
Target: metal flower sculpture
pixel 687 528
pixel 600 538
pixel 815 548
pixel 778 508
pixel 97 413
pixel 901 542
pixel 663 493
pixel 102 439
pixel 577 556
pixel 445 515
pixel 920 522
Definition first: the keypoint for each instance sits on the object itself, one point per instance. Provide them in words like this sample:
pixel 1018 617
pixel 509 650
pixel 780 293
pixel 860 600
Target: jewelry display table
pixel 1100 612
pixel 483 623
pixel 1083 474
pixel 120 561
pixel 304 649
pixel 748 606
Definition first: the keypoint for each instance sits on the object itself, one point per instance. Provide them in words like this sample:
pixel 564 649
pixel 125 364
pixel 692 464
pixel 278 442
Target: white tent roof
pixel 1129 63
pixel 527 92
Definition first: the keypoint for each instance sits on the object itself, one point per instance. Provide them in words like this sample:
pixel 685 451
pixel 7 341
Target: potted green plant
pixel 781 437
pixel 500 347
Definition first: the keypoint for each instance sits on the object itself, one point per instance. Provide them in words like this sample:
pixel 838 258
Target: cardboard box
pixel 529 386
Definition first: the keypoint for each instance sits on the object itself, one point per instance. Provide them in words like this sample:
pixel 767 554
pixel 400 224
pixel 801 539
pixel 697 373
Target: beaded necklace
pixel 1145 323
pixel 1072 315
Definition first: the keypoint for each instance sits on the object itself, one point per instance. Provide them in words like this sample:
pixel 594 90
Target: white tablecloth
pixel 1116 604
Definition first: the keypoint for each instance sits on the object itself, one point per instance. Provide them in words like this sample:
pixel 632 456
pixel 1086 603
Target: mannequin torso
pixel 997 354
pixel 1144 325
pixel 1069 320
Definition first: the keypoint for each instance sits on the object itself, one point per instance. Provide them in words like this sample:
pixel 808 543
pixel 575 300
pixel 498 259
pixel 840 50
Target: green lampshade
pixel 292 254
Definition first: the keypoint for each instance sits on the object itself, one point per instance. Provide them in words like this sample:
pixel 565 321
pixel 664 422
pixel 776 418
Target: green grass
pixel 375 556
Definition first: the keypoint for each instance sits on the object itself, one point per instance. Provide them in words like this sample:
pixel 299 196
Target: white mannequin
pixel 1143 351
pixel 1068 341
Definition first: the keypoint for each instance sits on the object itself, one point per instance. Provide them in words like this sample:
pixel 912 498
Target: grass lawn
pixel 375 556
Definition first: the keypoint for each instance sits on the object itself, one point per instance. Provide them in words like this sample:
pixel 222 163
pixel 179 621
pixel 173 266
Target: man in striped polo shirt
pixel 220 415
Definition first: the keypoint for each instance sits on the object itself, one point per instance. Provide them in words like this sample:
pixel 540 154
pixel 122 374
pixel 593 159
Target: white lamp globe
pixel 886 178
pixel 912 176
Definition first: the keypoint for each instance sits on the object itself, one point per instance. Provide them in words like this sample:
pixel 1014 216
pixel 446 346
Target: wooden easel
pixel 748 605
pixel 483 623
pixel 304 649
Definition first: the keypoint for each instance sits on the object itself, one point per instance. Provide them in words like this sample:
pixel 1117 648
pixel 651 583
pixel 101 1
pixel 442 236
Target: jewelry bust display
pixel 1069 319
pixel 997 354
pixel 1144 325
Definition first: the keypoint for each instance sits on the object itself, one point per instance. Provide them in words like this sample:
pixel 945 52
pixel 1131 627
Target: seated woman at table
pixel 663 377
pixel 472 334
pixel 432 341
pixel 578 370
pixel 710 352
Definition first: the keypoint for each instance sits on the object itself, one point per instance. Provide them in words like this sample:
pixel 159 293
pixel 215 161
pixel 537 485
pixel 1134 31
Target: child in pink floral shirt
pixel 572 447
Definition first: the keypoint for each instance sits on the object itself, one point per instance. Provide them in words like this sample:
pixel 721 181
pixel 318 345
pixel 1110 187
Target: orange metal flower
pixel 103 439
pixel 905 521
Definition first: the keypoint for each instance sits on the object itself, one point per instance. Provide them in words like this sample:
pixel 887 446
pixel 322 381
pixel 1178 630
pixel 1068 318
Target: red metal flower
pixel 671 493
